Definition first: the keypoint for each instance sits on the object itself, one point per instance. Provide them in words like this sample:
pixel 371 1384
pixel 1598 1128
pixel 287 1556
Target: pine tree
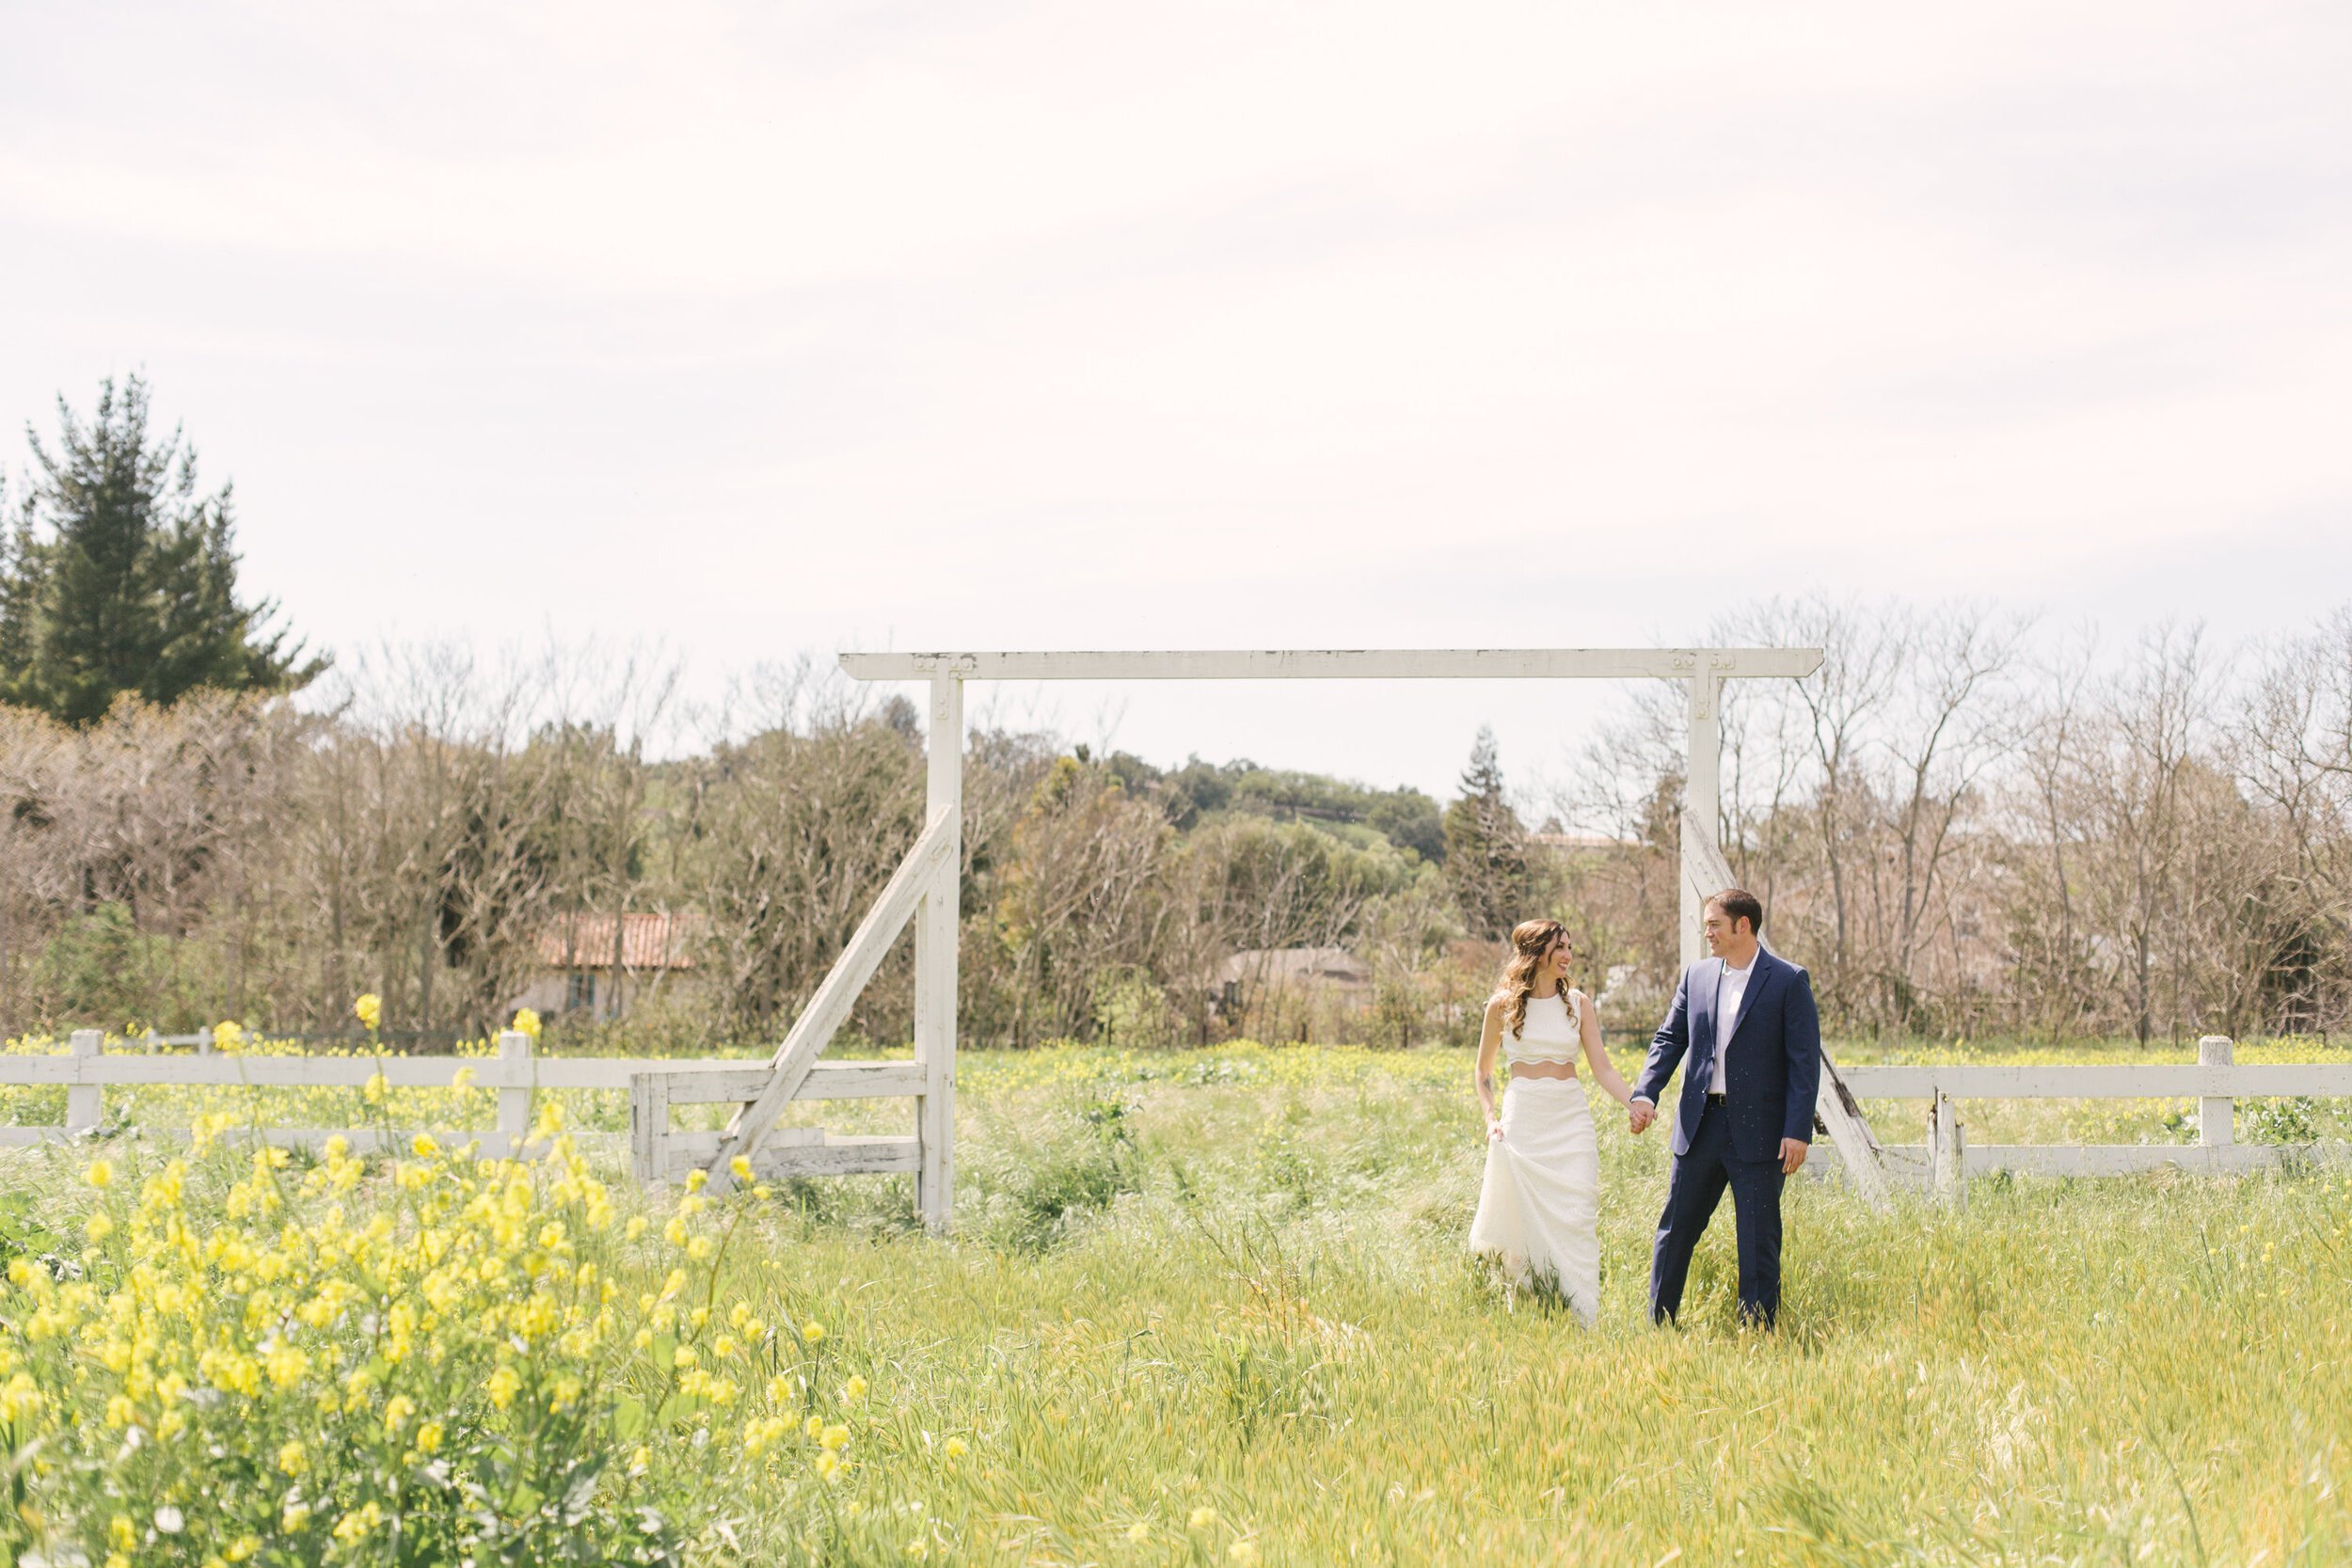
pixel 1485 848
pixel 121 577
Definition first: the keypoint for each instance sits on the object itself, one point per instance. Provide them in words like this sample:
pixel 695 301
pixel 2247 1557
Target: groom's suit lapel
pixel 1760 984
pixel 1708 977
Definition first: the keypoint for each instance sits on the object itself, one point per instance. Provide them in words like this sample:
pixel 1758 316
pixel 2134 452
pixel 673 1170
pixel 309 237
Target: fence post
pixel 2216 1115
pixel 84 1105
pixel 649 1127
pixel 513 1102
pixel 1950 1153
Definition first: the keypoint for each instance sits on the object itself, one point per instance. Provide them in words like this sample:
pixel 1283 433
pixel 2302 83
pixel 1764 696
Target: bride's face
pixel 1554 963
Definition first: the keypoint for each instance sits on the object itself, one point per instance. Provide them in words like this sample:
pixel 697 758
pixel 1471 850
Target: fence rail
pixel 2216 1080
pixel 659 1153
pixel 514 1075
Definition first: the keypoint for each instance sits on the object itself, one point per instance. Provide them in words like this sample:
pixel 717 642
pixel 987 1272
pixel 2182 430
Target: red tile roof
pixel 648 941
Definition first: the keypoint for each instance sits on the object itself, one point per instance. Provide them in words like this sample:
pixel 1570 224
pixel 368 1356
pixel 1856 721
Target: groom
pixel 1746 1021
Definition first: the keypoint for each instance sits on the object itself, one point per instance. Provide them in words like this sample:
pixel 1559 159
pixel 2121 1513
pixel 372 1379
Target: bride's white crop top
pixel 1550 1034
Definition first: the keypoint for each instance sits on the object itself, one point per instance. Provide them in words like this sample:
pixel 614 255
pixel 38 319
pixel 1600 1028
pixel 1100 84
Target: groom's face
pixel 1725 938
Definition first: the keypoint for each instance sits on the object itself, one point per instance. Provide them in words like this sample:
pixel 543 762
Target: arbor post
pixel 1702 798
pixel 936 926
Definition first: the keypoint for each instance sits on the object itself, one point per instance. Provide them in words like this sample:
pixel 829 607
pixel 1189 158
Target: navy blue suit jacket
pixel 1771 1076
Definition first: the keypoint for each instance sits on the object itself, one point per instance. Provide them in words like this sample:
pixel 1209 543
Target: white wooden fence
pixel 512 1075
pixel 661 1153
pixel 2216 1080
pixel 658 1153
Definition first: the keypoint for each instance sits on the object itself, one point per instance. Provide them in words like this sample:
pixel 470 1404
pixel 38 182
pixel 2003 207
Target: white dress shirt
pixel 1729 991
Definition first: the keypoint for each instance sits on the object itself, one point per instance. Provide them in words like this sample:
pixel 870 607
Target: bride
pixel 1539 1209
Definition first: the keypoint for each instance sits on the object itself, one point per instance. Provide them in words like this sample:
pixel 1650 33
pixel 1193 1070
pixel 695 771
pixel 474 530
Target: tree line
pixel 1962 824
pixel 1966 824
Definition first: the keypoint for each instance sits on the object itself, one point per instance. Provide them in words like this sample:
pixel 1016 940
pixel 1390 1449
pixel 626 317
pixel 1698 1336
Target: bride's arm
pixel 1604 1072
pixel 1490 1046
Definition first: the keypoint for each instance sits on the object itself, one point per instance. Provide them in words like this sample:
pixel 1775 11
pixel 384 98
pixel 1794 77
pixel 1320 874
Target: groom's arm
pixel 1666 1046
pixel 1800 1036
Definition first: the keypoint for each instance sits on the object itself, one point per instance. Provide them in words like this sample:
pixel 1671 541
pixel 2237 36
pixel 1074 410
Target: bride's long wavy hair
pixel 1529 941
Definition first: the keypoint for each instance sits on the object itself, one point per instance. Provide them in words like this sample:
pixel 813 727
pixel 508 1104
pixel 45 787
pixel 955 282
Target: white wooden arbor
pixel 925 887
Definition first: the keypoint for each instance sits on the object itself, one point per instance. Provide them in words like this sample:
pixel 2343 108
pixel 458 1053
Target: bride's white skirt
pixel 1539 1210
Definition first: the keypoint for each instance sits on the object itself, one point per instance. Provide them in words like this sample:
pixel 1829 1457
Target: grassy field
pixel 1211 1306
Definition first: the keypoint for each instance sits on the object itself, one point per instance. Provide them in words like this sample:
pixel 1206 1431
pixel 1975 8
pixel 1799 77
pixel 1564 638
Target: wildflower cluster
pixel 427 1358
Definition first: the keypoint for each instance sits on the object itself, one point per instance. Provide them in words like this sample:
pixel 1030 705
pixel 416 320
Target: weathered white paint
pixel 1948 1144
pixel 827 1080
pixel 512 1075
pixel 83 1105
pixel 2216 1115
pixel 1704 871
pixel 363 1140
pixel 2218 1081
pixel 1913 1163
pixel 515 1100
pixel 826 1154
pixel 1385 664
pixel 2154 1080
pixel 835 993
pixel 936 933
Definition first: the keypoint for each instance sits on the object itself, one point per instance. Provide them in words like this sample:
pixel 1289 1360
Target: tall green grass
pixel 1212 1306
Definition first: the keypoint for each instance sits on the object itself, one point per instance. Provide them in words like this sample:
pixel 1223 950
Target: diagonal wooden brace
pixel 929 860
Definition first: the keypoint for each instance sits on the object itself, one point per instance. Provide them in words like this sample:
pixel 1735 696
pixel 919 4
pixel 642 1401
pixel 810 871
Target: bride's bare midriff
pixel 1543 1069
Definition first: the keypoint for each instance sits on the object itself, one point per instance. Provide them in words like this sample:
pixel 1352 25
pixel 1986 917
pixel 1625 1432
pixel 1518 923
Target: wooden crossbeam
pixel 930 859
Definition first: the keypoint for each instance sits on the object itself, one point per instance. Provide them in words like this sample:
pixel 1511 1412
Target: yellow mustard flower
pixel 369 1010
pixel 99 1174
pixel 527 1021
pixel 229 1036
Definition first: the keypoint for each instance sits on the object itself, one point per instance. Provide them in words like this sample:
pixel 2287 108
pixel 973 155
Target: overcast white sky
pixel 772 328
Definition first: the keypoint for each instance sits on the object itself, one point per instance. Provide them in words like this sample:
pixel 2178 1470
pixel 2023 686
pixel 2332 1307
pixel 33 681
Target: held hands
pixel 1792 1152
pixel 1494 1131
pixel 1639 1114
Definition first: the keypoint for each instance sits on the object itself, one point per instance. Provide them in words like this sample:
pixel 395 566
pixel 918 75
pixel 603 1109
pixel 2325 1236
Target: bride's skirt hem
pixel 1539 1206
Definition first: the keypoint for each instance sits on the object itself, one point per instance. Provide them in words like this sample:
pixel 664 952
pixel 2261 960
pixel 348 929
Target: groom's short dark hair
pixel 1739 903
